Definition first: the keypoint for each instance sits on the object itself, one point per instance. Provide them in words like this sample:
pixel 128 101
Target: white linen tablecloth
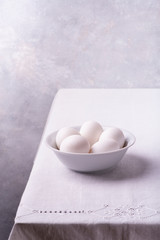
pixel 123 204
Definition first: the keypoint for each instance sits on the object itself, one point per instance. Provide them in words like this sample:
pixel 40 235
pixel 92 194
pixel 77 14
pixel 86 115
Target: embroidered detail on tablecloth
pixel 106 212
pixel 126 211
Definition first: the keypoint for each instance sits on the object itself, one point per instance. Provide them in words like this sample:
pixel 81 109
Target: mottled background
pixel 50 44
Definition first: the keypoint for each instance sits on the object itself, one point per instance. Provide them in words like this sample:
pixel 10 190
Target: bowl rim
pixel 133 140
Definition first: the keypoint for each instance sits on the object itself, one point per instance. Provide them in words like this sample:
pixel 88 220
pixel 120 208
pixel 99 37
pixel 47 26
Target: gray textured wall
pixel 46 45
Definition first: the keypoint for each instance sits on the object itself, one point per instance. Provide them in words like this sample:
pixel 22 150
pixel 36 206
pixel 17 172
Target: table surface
pixel 127 195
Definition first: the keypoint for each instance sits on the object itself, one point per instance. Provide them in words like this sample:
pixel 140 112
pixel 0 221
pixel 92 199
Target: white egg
pixel 114 133
pixel 75 144
pixel 63 133
pixel 107 145
pixel 91 130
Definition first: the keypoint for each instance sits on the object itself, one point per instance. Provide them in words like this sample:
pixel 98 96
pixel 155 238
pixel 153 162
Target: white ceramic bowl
pixel 90 162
